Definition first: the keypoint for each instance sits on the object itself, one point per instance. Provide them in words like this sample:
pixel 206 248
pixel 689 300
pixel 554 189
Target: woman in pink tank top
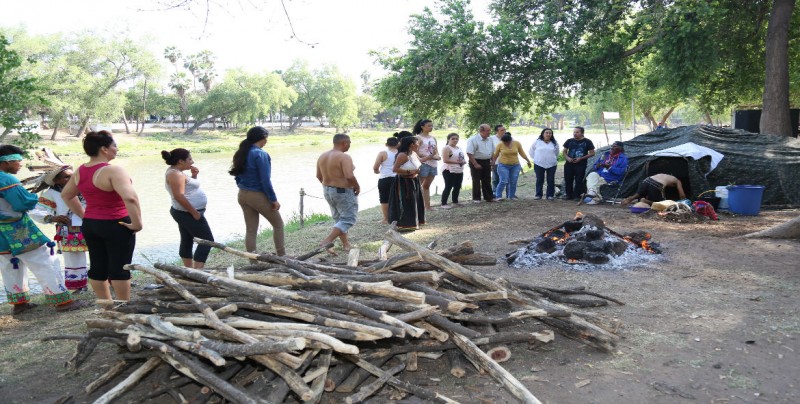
pixel 112 216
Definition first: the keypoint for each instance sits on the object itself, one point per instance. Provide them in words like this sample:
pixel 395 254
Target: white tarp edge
pixel 692 150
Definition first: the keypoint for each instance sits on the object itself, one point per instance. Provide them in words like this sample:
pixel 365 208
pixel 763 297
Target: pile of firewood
pixel 284 328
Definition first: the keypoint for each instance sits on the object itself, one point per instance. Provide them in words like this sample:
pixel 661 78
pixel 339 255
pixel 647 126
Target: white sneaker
pixel 445 207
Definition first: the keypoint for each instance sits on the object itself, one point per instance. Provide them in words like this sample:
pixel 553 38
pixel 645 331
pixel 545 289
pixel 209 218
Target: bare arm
pixel 446 155
pixel 378 161
pixel 679 185
pixel 348 170
pixel 177 184
pixel 70 195
pixel 319 172
pixel 121 183
pixel 566 156
pixel 522 154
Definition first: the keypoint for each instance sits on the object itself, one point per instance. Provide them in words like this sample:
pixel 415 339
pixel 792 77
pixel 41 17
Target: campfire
pixel 585 240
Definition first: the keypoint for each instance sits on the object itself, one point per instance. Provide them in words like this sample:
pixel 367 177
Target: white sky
pixel 253 34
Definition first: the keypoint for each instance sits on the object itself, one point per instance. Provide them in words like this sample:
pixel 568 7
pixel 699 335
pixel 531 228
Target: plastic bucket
pixel 745 199
pixel 722 193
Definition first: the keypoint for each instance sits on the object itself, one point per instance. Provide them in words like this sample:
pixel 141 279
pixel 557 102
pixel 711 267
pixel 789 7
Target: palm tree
pixel 173 54
pixel 180 82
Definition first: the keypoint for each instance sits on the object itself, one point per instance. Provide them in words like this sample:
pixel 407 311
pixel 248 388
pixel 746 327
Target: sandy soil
pixel 714 321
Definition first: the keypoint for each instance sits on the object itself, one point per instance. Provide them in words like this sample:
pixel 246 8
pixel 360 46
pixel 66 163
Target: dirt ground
pixel 714 321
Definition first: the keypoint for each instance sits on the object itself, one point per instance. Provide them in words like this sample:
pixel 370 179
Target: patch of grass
pixel 697 363
pixel 264 239
pixel 735 380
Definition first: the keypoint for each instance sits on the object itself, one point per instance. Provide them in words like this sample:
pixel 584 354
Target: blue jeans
pixel 540 177
pixel 508 174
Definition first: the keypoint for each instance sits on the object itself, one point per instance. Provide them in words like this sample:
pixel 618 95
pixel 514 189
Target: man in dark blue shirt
pixel 577 151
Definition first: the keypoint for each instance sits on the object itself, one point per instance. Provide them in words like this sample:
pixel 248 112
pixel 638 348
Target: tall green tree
pixel 17 92
pixel 242 97
pixel 321 93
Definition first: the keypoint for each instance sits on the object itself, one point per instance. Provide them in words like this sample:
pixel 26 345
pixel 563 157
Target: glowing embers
pixel 586 240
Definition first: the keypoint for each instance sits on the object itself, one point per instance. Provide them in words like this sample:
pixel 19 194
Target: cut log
pixel 411 361
pixel 405 386
pixel 457 363
pixel 294 381
pixel 359 375
pixel 352 257
pixel 443 263
pixel 129 382
pixel 499 354
pixel 106 377
pixel 472 352
pixel 370 389
pixel 199 372
pixel 267 292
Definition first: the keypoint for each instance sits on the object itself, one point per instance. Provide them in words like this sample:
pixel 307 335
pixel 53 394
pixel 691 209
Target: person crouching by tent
pixel 609 168
pixel 652 189
pixel 52 209
pixel 23 246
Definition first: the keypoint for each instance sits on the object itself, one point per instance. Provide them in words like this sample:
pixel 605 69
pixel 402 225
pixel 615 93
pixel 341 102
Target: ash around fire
pixel 585 243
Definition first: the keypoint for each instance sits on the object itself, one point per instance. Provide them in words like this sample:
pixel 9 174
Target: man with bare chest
pixel 335 171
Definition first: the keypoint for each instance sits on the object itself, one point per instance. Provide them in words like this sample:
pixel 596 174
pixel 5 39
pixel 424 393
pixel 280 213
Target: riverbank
pixel 714 319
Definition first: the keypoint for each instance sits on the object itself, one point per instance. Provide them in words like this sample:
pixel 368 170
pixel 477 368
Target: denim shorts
pixel 427 171
pixel 344 206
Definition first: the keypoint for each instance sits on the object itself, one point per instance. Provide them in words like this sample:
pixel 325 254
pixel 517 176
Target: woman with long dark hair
pixel 428 156
pixel 544 152
pixel 252 168
pixel 112 216
pixel 188 206
pixel 405 197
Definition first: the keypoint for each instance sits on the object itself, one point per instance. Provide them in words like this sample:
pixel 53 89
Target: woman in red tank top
pixel 112 216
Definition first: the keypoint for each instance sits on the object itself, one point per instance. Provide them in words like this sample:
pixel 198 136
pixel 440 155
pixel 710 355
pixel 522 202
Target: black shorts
pixel 384 184
pixel 651 190
pixel 110 247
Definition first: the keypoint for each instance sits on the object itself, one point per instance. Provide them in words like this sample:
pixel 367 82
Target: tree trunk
pixel 775 118
pixel 708 118
pixel 650 119
pixel 666 115
pixel 55 129
pixel 6 131
pixel 196 125
pixel 125 121
pixel 82 129
pixel 787 230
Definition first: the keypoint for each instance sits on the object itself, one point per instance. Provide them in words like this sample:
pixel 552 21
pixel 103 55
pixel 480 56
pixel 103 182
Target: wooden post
pixel 603 118
pixel 302 220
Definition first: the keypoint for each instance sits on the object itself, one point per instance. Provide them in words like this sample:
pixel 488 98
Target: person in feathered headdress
pixel 23 246
pixel 52 209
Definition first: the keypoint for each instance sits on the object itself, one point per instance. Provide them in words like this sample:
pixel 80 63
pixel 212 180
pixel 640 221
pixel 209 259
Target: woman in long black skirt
pixel 406 206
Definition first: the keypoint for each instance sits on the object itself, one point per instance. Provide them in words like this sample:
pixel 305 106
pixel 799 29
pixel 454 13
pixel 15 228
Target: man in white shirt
pixel 479 152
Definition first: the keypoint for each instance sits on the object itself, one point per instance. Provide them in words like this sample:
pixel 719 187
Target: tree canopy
pixel 17 90
pixel 538 54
